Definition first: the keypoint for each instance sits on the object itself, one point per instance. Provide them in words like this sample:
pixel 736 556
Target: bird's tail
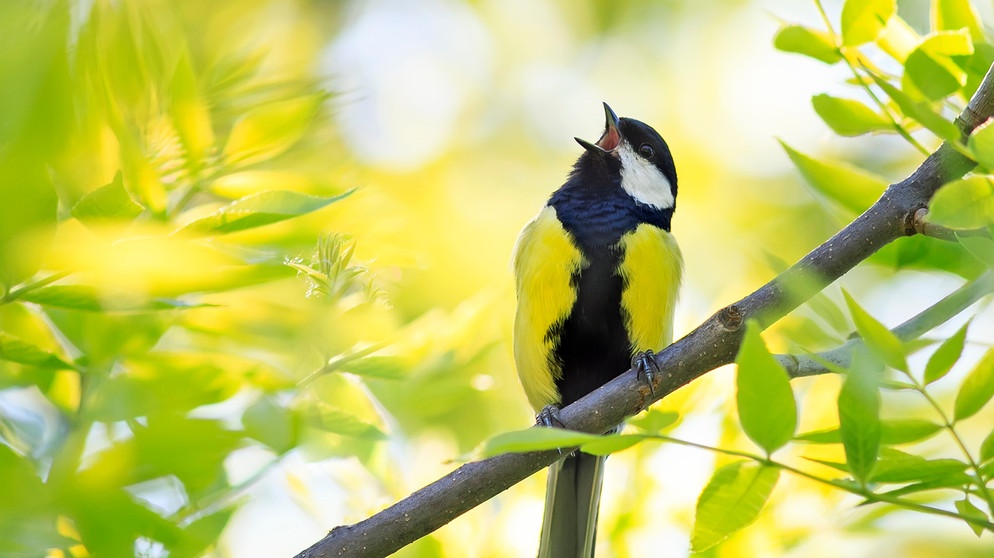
pixel 571 501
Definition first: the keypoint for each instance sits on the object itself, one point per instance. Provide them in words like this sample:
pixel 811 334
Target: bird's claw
pixel 549 416
pixel 646 367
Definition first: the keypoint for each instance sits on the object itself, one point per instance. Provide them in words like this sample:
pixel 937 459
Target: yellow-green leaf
pixel 767 410
pixel 731 501
pixel 863 20
pixel 921 112
pixel 852 187
pixel 977 388
pixel 968 509
pixel 878 338
pixel 943 359
pixel 931 67
pixel 809 42
pixel 967 203
pixel 950 15
pixel 15 349
pixel 535 439
pixel 108 203
pixel 849 117
pixel 268 130
pixel 190 114
pixel 259 209
pixel 981 144
pixel 859 415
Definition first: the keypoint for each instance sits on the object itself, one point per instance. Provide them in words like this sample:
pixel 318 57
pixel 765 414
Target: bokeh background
pixel 453 121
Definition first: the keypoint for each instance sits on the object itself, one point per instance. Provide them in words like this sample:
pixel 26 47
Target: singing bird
pixel 597 274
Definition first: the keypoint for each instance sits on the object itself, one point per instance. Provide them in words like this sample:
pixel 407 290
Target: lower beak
pixel 610 139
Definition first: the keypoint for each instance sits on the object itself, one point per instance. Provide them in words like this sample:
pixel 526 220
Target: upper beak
pixel 611 137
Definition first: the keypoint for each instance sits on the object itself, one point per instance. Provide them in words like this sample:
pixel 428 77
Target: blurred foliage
pixel 222 333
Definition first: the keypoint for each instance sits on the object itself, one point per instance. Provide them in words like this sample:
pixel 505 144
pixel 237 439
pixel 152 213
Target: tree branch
pixel 955 302
pixel 714 343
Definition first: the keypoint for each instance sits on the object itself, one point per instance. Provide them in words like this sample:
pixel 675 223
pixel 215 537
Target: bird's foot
pixel 646 367
pixel 549 416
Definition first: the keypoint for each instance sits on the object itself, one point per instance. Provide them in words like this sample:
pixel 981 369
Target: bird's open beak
pixel 611 137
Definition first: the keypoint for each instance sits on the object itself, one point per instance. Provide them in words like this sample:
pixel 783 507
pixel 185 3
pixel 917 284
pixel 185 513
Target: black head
pixel 640 155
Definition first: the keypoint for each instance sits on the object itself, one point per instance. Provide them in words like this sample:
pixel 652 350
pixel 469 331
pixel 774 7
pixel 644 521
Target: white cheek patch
pixel 642 180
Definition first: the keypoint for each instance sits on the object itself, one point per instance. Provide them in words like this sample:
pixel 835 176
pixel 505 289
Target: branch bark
pixel 714 343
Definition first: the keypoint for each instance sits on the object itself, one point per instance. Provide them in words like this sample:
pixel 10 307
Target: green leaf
pixel 949 15
pixel 981 143
pixel 977 388
pixel 980 247
pixel 987 448
pixel 878 338
pixel 535 439
pixel 767 410
pixel 15 349
pixel 931 68
pixel 731 501
pixel 90 299
pixel 655 421
pixel 967 509
pixel 190 113
pixel 863 20
pixel 606 445
pixel 345 424
pixel 809 42
pixel 943 359
pixel 899 467
pixel 270 424
pixel 384 367
pixel 256 210
pixel 967 203
pixel 199 536
pixel 849 117
pixel 893 432
pixel 108 203
pixel 923 113
pixel 269 130
pixel 859 415
pixel 852 187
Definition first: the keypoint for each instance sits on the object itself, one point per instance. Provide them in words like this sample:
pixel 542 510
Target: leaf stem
pixel 17 292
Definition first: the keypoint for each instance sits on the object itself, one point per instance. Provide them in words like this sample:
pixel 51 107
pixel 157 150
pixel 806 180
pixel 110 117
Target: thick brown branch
pixel 712 344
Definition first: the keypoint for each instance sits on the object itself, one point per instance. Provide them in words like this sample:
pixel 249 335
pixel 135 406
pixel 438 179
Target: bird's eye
pixel 646 151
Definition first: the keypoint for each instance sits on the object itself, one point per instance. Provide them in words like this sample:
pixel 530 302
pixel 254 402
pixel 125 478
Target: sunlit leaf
pixel 268 130
pixel 259 209
pixel 987 448
pixel 270 424
pixel 347 424
pixel 200 535
pixel 731 501
pixel 895 466
pixel 385 367
pixel 807 41
pixel 606 445
pixel 767 410
pixel 90 299
pixel 191 116
pixel 15 349
pixel 654 421
pixel 980 247
pixel 110 202
pixel 921 112
pixel 852 187
pixel 950 15
pixel 931 68
pixel 977 388
pixel 863 20
pixel 981 143
pixel 968 509
pixel 893 432
pixel 878 338
pixel 967 203
pixel 944 357
pixel 535 439
pixel 859 415
pixel 849 117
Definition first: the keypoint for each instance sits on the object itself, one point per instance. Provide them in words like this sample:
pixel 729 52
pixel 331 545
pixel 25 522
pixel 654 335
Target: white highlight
pixel 643 180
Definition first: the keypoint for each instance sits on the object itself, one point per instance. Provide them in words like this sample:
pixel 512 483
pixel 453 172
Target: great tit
pixel 597 274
